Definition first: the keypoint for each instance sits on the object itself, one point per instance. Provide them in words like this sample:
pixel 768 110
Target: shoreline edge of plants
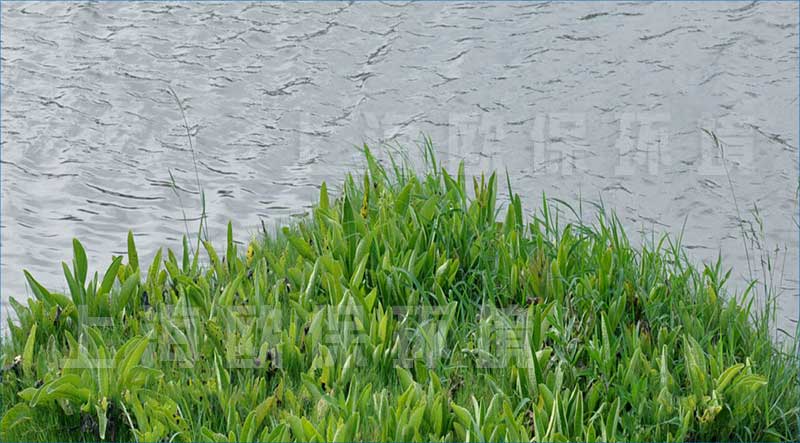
pixel 411 307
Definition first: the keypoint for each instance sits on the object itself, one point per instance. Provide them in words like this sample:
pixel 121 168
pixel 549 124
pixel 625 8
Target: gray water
pixel 584 101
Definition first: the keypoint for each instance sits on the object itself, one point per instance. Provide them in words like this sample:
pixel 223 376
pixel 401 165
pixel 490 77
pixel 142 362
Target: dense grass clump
pixel 402 310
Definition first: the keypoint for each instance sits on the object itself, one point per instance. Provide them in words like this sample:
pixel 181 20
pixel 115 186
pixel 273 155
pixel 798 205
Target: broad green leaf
pixel 80 263
pixel 133 257
pixel 27 355
pixel 17 422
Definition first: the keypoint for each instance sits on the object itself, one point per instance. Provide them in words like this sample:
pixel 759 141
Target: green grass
pixel 401 310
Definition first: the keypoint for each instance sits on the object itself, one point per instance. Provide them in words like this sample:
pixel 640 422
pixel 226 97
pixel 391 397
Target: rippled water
pixel 581 101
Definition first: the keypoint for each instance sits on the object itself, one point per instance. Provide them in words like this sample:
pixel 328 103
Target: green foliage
pixel 515 330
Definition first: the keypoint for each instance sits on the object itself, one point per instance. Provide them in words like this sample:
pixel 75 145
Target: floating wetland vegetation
pixel 410 307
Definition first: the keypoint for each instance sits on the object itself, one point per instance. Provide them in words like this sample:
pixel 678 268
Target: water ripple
pixel 278 96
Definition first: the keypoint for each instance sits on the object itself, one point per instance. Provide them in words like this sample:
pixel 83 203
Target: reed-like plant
pixel 410 307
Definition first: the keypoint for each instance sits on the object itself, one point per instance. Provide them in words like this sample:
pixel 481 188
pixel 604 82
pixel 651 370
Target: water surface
pixel 583 101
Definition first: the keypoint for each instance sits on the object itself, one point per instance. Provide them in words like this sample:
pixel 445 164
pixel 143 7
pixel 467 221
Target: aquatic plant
pixel 403 309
